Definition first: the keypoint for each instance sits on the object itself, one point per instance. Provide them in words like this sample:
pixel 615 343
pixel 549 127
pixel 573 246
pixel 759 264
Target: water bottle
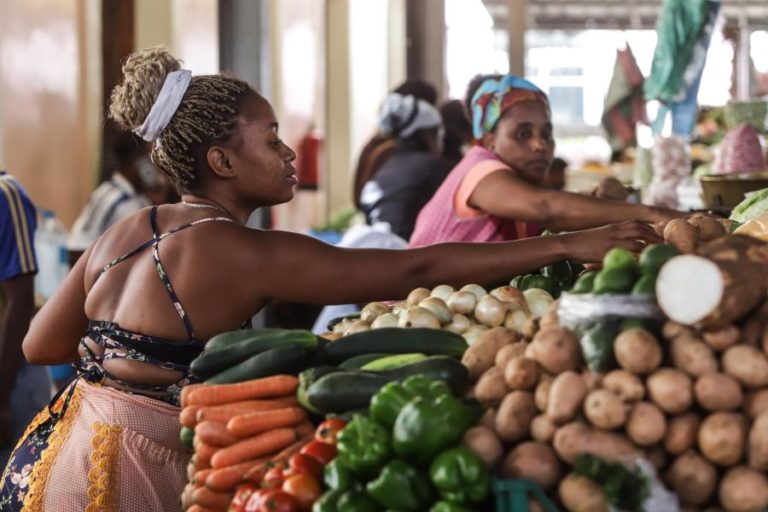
pixel 51 249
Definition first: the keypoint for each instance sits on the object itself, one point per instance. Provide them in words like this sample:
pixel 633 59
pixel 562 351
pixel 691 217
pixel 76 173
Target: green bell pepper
pixel 400 486
pixel 338 476
pixel 390 400
pixel 344 501
pixel 459 475
pixel 364 445
pixel 448 506
pixel 425 427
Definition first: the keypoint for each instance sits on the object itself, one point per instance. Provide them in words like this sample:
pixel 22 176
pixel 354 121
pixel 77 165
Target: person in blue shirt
pixel 18 267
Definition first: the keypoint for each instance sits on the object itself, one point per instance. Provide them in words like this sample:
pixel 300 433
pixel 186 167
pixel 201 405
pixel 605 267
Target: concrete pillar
pixel 425 26
pixel 516 25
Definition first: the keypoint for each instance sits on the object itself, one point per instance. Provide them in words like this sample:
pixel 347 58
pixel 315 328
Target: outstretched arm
pixel 505 195
pixel 296 268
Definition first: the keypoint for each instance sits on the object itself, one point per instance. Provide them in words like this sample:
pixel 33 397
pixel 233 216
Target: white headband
pixel 165 105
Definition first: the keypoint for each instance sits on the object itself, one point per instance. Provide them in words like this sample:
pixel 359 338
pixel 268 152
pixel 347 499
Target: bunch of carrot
pixel 240 431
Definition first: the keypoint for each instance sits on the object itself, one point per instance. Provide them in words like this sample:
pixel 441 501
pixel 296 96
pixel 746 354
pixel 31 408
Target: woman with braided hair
pixel 144 298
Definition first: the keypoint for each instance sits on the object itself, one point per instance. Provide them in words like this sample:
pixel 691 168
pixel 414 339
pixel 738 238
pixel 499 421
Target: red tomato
pixel 275 500
pixel 301 464
pixel 274 477
pixel 327 430
pixel 320 451
pixel 255 501
pixel 242 495
pixel 304 489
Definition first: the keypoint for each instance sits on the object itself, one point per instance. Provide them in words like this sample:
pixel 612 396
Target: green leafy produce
pixel 754 205
pixel 625 489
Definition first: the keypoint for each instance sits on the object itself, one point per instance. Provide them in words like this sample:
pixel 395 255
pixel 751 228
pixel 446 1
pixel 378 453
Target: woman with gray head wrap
pixel 408 178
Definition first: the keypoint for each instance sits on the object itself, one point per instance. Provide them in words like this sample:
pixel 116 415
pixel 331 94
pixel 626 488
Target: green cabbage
pixel 752 206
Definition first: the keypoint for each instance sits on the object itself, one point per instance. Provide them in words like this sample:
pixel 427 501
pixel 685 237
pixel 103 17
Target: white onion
pixel 475 289
pixel 418 317
pixel 538 301
pixel 442 291
pixel 459 324
pixel 509 294
pixel 439 308
pixel 462 302
pixel 416 296
pixel 399 307
pixel 490 311
pixel 516 319
pixel 385 320
pixel 474 332
pixel 357 326
pixel 373 310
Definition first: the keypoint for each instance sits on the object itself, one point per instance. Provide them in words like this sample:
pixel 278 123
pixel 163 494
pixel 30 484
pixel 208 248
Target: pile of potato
pixel 469 311
pixel 693 403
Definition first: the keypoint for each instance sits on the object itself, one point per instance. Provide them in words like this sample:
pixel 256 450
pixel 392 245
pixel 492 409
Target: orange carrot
pixel 199 463
pixel 214 433
pixel 226 479
pixel 253 447
pixel 250 423
pixel 200 476
pixel 188 416
pixel 225 412
pixel 268 387
pixel 205 451
pixel 211 499
pixel 187 496
pixel 185 391
pixel 257 472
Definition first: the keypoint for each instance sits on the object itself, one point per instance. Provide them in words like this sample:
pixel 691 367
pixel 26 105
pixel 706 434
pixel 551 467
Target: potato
pixel 626 385
pixel 672 330
pixel 580 494
pixel 491 388
pixel 755 402
pixel 743 489
pixel 536 461
pixel 757 443
pixel 681 234
pixel 721 438
pixel 681 433
pixel 565 397
pixel 671 390
pixel 481 355
pixel 543 428
pixel 556 349
pixel 637 351
pixel 513 419
pixel 530 328
pixel 657 456
pixel 692 356
pixel 709 228
pixel 484 443
pixel 722 339
pixel 488 419
pixel 549 318
pixel 604 409
pixel 692 479
pixel 509 352
pixel 576 438
pixel 746 364
pixel 541 395
pixel 717 391
pixel 521 373
pixel 592 380
pixel 646 424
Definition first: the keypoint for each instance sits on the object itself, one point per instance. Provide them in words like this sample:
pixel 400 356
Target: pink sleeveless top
pixel 441 221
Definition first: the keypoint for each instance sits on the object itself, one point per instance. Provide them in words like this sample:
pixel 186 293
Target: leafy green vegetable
pixel 753 205
pixel 625 489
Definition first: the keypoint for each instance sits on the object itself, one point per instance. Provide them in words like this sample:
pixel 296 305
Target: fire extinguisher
pixel 308 159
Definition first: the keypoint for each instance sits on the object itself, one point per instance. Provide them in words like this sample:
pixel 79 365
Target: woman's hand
pixel 591 244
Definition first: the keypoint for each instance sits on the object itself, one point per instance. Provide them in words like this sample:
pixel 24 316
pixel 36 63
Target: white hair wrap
pixel 165 105
pixel 402 116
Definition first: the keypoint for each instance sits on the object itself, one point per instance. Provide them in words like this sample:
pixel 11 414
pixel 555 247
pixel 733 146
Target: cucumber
pixel 187 437
pixel 597 346
pixel 214 361
pixel 309 377
pixel 289 359
pixel 394 340
pixel 614 280
pixel 230 337
pixel 585 282
pixel 390 362
pixel 357 362
pixel 346 390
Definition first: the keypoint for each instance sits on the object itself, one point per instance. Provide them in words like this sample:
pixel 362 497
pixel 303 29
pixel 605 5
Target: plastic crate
pixel 513 495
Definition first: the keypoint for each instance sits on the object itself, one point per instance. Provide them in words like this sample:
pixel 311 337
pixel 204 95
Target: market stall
pixel 639 386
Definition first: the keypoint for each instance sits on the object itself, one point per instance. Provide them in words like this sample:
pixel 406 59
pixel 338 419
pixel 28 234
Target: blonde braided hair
pixel 207 113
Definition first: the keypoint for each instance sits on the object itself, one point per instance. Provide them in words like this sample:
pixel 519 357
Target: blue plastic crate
pixel 513 495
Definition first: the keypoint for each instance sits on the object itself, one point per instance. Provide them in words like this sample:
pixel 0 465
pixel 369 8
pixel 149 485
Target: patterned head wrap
pixel 494 97
pixel 402 116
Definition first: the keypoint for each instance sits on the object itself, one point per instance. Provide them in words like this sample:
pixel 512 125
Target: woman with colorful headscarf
pixel 495 192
